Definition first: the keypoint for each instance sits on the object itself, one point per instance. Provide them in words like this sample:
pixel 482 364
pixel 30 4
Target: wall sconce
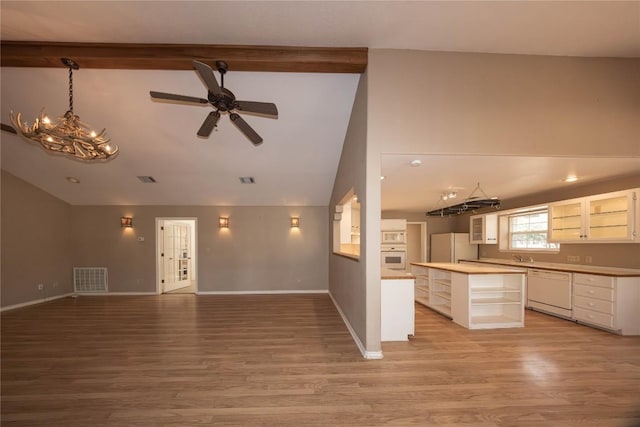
pixel 223 222
pixel 295 222
pixel 126 221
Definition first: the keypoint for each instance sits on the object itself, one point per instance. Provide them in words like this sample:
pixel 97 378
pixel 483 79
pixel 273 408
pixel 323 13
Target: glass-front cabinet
pixel 566 221
pixel 483 229
pixel 607 217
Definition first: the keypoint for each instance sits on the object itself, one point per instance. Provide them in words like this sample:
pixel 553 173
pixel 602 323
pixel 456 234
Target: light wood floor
pixel 288 360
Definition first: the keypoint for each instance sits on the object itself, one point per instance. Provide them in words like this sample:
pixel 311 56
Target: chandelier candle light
pixel 67 135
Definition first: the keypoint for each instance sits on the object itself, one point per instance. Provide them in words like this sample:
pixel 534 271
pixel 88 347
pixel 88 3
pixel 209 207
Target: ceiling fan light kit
pixel 66 135
pixel 224 101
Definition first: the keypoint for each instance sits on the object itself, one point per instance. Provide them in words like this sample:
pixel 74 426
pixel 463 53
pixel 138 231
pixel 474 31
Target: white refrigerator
pixel 452 247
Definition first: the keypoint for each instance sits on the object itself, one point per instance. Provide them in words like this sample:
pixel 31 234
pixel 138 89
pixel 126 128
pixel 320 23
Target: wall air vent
pixel 147 179
pixel 247 180
pixel 90 279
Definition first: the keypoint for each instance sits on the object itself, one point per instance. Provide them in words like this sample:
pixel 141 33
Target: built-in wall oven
pixel 394 257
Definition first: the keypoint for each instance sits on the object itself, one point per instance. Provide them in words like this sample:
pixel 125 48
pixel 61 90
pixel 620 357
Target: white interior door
pixel 176 255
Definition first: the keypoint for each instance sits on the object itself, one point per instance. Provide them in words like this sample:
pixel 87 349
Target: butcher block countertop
pixel 389 274
pixel 470 269
pixel 569 268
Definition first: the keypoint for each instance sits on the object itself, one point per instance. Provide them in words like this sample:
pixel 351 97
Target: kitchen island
pixel 473 296
pixel 603 297
pixel 397 309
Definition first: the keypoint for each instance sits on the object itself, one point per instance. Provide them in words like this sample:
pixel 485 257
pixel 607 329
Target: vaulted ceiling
pixel 312 84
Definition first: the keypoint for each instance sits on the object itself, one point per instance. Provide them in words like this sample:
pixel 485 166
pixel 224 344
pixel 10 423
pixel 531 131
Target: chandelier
pixel 67 135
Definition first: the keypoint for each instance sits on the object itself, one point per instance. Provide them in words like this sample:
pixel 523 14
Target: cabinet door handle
pixel 591 304
pixel 591 292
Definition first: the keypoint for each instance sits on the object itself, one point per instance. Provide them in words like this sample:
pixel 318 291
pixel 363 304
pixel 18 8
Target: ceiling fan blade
pixel 182 98
pixel 246 129
pixel 209 123
pixel 209 78
pixel 8 128
pixel 266 108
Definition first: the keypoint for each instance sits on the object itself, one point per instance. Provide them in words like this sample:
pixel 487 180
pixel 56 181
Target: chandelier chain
pixel 71 89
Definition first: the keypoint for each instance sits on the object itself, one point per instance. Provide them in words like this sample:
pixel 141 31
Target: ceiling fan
pixel 223 100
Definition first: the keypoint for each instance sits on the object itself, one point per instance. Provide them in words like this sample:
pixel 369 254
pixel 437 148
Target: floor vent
pixel 90 279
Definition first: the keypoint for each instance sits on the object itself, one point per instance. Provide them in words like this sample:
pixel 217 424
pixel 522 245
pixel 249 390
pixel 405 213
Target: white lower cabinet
pixel 421 292
pixel 473 299
pixel 397 309
pixel 488 301
pixel 440 291
pixel 612 303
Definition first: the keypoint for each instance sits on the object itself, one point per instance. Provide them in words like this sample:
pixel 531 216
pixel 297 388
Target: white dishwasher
pixel 550 292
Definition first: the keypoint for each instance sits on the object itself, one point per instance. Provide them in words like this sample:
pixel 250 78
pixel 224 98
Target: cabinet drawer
pixel 593 280
pixel 419 271
pixel 588 316
pixel 593 304
pixel 592 292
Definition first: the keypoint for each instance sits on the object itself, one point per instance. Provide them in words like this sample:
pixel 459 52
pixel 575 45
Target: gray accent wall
pixel 37 246
pixel 258 252
pixel 43 238
pixel 347 277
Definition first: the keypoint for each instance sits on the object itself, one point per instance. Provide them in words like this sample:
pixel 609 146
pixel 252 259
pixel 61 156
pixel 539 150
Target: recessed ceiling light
pixel 382 177
pixel 73 180
pixel 415 163
pixel 570 178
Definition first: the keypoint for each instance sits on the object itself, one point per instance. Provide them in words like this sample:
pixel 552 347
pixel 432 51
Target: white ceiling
pixel 296 164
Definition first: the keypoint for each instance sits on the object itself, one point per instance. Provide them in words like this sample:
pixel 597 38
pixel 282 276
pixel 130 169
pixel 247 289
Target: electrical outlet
pixel 40 286
pixel 573 258
pixel 55 285
pixel 588 259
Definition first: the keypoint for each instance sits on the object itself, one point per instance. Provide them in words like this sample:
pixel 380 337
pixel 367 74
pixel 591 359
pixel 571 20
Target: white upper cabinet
pixel 610 217
pixel 393 225
pixel 483 229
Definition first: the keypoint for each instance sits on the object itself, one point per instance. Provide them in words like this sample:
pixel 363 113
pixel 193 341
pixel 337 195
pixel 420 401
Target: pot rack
pixel 471 203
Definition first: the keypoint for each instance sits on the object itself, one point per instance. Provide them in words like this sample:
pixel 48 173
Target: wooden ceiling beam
pixel 179 56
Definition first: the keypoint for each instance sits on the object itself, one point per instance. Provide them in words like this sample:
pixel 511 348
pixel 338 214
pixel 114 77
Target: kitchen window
pixel 528 232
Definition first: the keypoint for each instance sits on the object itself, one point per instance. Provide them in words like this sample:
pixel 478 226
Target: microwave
pixel 393 237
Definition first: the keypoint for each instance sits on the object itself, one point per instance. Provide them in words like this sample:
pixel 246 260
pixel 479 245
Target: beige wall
pixel 347 277
pixel 461 103
pixel 43 238
pixel 36 243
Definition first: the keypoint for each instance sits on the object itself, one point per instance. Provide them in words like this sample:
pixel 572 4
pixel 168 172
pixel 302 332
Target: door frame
pixel 160 222
pixel 424 241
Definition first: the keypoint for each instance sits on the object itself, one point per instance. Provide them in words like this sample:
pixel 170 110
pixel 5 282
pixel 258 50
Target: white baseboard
pixel 260 292
pixel 366 354
pixel 38 301
pixel 110 294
